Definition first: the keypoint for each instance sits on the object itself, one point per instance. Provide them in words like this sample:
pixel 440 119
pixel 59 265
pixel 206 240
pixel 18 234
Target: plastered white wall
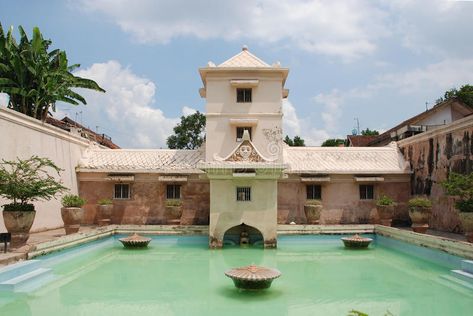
pixel 22 137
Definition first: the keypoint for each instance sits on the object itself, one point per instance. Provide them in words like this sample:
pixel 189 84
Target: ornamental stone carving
pixel 246 152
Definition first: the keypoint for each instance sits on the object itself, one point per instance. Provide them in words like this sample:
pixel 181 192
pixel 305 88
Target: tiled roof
pixel 323 160
pixel 127 160
pixel 360 140
pixel 244 59
pixel 345 160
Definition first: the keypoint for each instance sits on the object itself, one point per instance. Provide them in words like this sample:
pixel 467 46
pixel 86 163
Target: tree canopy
pixel 189 133
pixel 333 142
pixel 369 132
pixel 296 142
pixel 35 77
pixel 464 94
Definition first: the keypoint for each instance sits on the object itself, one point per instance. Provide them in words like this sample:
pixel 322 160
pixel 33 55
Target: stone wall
pixel 341 200
pixel 23 137
pixel 433 155
pixel 147 204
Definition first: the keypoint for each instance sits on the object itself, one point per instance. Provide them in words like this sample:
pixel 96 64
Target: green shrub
pixel 461 186
pixel 313 202
pixel 104 202
pixel 71 200
pixel 420 202
pixel 18 207
pixel 173 203
pixel 385 200
pixel 29 180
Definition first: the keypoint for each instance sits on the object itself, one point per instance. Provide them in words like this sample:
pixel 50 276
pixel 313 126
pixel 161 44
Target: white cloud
pixel 127 110
pixel 331 112
pixel 438 77
pixel 437 27
pixel 188 111
pixel 293 125
pixel 346 29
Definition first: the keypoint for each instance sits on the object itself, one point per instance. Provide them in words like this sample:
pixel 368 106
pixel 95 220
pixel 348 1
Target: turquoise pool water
pixel 181 276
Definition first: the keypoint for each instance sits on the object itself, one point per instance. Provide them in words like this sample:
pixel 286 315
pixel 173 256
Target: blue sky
pixel 378 61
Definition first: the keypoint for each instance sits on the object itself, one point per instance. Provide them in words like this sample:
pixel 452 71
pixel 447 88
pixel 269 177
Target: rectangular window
pixel 366 192
pixel 243 95
pixel 314 192
pixel 243 193
pixel 173 192
pixel 240 131
pixel 122 191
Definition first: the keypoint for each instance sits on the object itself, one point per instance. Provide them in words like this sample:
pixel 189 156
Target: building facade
pixel 244 179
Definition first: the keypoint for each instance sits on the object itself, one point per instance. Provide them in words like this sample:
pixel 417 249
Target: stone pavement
pixel 36 238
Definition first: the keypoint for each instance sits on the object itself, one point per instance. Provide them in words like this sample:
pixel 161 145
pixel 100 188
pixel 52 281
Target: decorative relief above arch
pixel 244 152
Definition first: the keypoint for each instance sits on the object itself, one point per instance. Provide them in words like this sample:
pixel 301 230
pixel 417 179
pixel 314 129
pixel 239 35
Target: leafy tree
pixel 288 141
pixel 464 94
pixel 369 132
pixel 34 77
pixel 333 142
pixel 189 134
pixel 296 142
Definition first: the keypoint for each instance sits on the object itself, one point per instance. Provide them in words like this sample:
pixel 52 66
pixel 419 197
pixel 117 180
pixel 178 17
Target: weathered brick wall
pixel 433 155
pixel 147 203
pixel 341 200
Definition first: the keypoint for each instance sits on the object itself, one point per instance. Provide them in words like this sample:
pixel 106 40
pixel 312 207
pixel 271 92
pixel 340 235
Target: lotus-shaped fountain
pixel 135 241
pixel 356 241
pixel 253 277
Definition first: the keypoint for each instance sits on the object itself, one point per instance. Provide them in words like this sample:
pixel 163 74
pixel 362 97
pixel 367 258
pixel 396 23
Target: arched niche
pixel 234 235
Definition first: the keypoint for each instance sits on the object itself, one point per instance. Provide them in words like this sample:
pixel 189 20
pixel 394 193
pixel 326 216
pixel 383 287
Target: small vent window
pixel 240 131
pixel 244 95
pixel 173 192
pixel 366 192
pixel 243 194
pixel 314 192
pixel 122 191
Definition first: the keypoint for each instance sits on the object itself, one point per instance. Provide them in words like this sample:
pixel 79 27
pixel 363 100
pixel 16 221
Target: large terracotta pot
pixel 18 224
pixel 104 214
pixel 72 217
pixel 312 213
pixel 467 224
pixel 174 214
pixel 385 213
pixel 420 217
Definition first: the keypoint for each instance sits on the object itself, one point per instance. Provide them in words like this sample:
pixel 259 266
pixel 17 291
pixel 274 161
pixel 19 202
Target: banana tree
pixel 36 78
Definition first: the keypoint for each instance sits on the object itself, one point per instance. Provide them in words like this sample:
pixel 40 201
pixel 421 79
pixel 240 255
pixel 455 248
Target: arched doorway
pixel 243 235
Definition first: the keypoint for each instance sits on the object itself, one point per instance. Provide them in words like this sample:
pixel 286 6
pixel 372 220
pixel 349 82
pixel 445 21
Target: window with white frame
pixel 240 131
pixel 121 191
pixel 314 192
pixel 366 192
pixel 243 95
pixel 173 191
pixel 243 194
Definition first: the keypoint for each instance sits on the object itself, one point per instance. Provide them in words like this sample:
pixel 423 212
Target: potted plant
pixel 173 211
pixel 312 210
pixel 385 208
pixel 104 212
pixel 461 186
pixel 23 182
pixel 72 212
pixel 420 209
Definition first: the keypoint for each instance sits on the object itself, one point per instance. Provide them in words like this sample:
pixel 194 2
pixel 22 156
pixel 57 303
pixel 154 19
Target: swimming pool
pixel 179 275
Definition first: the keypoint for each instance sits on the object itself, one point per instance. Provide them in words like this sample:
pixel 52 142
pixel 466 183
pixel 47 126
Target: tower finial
pixel 245 47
